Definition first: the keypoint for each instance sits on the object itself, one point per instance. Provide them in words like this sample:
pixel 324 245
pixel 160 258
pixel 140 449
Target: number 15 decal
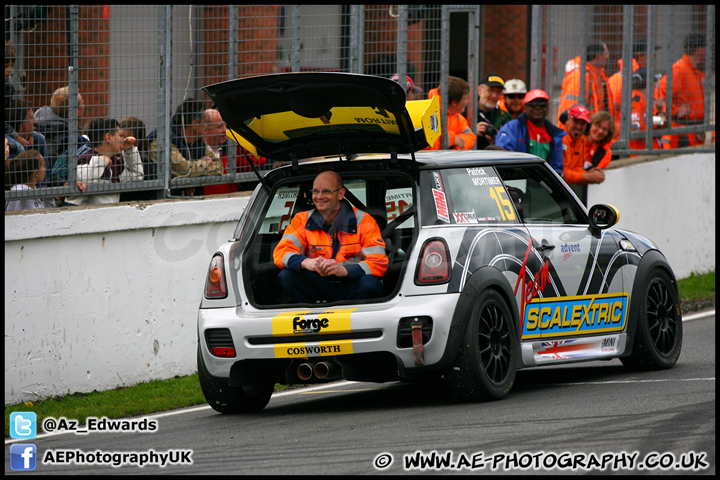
pixel 503 203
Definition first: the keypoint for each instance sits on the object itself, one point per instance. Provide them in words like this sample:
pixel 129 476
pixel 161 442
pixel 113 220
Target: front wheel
pixel 486 363
pixel 658 334
pixel 228 399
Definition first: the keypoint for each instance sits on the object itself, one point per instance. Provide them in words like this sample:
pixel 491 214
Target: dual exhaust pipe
pixel 324 370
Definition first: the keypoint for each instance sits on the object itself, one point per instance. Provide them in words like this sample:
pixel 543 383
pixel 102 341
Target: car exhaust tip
pixel 324 370
pixel 305 371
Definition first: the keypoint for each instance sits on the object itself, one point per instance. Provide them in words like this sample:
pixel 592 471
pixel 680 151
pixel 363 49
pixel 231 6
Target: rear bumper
pixel 317 333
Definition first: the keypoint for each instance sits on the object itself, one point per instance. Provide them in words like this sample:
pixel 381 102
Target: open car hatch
pixel 286 117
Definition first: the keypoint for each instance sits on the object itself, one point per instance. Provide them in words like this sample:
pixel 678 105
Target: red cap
pixel 579 112
pixel 409 84
pixel 533 94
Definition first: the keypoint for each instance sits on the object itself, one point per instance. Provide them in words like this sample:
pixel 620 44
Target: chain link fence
pixel 70 67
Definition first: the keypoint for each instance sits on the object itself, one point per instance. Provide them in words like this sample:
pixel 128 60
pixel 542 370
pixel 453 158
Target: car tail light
pixel 215 286
pixel 434 264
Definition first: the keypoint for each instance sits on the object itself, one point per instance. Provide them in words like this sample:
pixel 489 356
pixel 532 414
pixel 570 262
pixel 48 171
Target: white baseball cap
pixel 515 85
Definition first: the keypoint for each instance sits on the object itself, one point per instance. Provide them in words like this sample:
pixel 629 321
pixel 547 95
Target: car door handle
pixel 546 247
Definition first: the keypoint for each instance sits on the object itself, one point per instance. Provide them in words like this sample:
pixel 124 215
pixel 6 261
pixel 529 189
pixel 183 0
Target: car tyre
pixel 486 364
pixel 230 399
pixel 658 334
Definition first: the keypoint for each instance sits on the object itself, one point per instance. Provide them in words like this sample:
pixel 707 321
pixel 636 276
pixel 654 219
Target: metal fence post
pixel 402 47
pixel 72 22
pixel 582 93
pixel 536 47
pixel 473 67
pixel 650 78
pixel 444 74
pixel 627 72
pixel 163 95
pixel 295 51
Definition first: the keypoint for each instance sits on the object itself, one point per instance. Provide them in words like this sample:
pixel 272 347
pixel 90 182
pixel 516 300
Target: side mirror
pixel 602 216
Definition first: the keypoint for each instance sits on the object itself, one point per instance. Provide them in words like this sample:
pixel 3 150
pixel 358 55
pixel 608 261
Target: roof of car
pixel 300 115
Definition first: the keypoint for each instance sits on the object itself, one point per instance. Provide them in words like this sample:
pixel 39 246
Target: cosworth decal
pixel 585 314
pixel 314 349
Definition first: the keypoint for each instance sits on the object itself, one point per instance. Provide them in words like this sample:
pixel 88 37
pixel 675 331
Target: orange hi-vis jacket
pixel 615 83
pixel 592 149
pixel 573 159
pixel 595 89
pixel 353 240
pixel 687 90
pixel 638 120
pixel 457 126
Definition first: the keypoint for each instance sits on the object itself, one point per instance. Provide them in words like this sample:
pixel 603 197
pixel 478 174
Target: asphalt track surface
pixel 595 417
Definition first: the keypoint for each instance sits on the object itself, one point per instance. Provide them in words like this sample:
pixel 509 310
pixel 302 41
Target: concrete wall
pixel 100 297
pixel 671 201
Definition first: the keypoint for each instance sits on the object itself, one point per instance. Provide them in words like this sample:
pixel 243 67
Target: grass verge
pixel 179 392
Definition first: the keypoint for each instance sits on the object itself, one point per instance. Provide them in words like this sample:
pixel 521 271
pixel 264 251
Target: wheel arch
pixel 651 260
pixel 482 279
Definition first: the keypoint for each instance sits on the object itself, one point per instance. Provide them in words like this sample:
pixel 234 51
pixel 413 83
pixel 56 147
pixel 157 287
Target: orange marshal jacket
pixel 595 88
pixel 353 240
pixel 573 159
pixel 457 125
pixel 687 89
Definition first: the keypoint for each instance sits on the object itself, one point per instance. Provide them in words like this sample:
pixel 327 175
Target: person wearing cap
pixel 639 60
pixel 460 136
pixel 490 116
pixel 688 93
pixel 574 143
pixel 513 99
pixel 531 132
pixel 413 91
pixel 597 96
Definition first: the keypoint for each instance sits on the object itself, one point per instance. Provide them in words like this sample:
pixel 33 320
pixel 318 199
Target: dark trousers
pixel 309 287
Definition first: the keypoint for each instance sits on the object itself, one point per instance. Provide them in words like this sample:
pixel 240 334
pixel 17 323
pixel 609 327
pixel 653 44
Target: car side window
pixel 541 197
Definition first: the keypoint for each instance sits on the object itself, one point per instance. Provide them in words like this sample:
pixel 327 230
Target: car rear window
pixel 466 196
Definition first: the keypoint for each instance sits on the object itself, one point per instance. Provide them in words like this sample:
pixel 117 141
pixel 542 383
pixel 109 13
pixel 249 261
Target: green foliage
pixel 697 286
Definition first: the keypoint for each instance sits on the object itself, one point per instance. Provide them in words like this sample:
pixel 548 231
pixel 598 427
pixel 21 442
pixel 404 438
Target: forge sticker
pixel 307 323
pixel 314 349
pixel 580 315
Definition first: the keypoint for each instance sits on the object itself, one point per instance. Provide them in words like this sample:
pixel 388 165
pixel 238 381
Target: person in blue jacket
pixel 531 132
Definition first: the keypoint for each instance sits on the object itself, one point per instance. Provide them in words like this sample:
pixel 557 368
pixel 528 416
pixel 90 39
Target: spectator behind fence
pixel 460 135
pixel 19 117
pixel 688 93
pixel 189 154
pixel 52 121
pixel 513 99
pixel 217 140
pixel 9 65
pixel 134 127
pixel 412 91
pixel 598 140
pixel 576 124
pixel 25 172
pixel 490 117
pixel 638 113
pixel 615 81
pixel 597 96
pixel 112 159
pixel 531 132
